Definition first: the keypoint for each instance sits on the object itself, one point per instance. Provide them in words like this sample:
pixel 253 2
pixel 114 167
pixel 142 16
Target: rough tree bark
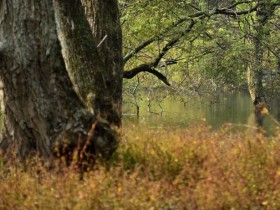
pixel 104 25
pixel 42 110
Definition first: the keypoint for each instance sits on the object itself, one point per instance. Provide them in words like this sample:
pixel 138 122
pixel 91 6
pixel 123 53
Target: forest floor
pixel 167 168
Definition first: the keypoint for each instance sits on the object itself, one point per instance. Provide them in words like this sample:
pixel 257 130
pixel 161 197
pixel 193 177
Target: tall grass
pixel 192 168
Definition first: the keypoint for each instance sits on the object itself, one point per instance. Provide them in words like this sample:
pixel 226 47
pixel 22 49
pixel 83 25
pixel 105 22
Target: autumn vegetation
pixel 193 168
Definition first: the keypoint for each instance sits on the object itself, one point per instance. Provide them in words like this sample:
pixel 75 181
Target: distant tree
pixel 263 14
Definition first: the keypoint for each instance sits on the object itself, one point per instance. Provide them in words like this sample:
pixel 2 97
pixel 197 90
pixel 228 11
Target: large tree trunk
pixel 108 36
pixel 42 109
pixel 95 71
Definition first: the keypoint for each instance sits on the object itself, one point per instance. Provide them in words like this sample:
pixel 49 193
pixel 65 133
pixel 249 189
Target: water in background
pixel 231 107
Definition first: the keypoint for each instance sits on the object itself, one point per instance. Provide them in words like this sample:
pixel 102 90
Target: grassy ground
pixel 164 169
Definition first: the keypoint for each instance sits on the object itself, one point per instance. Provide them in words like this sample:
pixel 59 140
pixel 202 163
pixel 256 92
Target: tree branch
pixel 151 40
pixel 227 11
pixel 151 67
pixel 145 68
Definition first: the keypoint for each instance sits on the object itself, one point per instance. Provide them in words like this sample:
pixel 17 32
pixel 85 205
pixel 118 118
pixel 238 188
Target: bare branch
pixel 145 68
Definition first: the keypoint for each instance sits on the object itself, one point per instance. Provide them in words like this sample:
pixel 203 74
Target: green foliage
pixel 218 48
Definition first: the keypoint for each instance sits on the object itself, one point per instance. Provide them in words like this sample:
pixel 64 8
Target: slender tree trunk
pixel 278 63
pixel 42 110
pixel 255 69
pixel 255 74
